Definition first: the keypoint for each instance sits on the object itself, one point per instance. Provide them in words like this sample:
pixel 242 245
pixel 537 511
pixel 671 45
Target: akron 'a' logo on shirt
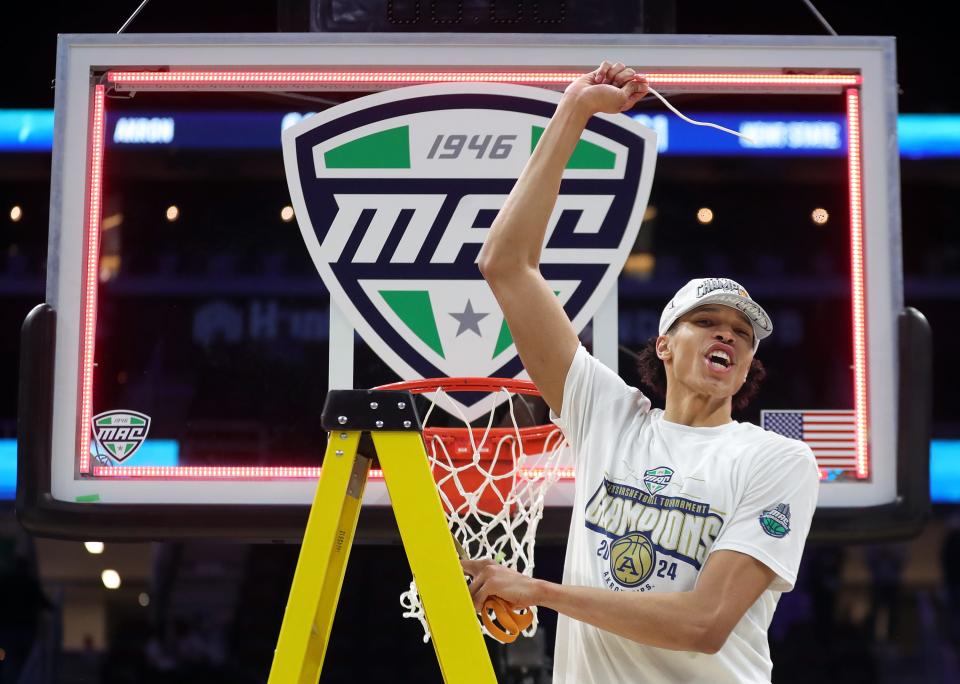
pixel 394 194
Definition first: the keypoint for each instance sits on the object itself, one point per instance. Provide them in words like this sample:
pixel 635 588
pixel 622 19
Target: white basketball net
pixel 518 481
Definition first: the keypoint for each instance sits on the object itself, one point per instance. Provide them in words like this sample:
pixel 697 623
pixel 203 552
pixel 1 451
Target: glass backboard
pixel 174 380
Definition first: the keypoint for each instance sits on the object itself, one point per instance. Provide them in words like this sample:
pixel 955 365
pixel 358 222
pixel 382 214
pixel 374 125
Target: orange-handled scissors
pixel 511 621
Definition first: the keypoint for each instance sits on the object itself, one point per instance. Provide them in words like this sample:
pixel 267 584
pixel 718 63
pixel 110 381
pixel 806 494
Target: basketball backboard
pixel 171 385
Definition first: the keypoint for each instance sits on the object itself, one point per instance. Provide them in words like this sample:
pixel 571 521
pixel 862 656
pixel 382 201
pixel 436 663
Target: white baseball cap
pixel 703 291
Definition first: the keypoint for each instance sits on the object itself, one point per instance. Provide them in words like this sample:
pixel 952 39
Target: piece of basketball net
pixel 502 622
pixel 492 482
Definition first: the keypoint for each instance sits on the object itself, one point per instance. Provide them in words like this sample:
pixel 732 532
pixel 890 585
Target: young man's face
pixel 709 350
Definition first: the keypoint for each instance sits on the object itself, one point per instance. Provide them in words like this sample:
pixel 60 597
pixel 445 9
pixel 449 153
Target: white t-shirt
pixel 653 500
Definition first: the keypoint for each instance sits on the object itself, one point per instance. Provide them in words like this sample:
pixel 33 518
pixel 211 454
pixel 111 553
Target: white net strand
pixel 699 123
pixel 506 531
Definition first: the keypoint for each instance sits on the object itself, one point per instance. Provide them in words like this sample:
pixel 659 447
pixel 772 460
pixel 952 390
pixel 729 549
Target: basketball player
pixel 687 525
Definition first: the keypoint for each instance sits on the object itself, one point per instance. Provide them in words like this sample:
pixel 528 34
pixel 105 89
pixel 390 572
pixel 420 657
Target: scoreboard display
pixel 488 16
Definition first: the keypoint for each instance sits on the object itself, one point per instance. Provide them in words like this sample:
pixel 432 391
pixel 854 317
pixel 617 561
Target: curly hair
pixel 654 376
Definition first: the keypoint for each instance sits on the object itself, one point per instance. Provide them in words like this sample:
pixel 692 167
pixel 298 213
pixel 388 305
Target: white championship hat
pixel 703 291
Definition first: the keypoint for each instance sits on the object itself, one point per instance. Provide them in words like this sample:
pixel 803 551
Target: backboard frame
pixel 49 503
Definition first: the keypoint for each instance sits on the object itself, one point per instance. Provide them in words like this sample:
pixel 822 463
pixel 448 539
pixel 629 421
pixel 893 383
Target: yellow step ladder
pixel 392 421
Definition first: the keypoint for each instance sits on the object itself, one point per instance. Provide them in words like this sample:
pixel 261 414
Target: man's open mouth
pixel 719 359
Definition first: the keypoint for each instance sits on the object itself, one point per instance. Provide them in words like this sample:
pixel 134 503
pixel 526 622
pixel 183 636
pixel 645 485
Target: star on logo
pixel 469 319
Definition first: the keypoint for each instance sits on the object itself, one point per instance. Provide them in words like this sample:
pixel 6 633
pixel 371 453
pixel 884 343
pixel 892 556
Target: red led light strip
pixel 255 472
pixel 213 472
pixel 817 80
pixel 305 78
pixel 857 279
pixel 279 78
pixel 91 262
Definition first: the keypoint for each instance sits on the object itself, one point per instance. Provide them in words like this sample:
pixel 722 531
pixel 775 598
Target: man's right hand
pixel 510 258
pixel 609 89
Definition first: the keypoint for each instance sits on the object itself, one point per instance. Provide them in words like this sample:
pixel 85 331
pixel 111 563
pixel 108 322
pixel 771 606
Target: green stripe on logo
pixel 586 155
pixel 414 309
pixel 504 339
pixel 388 149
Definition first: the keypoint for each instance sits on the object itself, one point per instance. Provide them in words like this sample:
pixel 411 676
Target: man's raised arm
pixel 510 257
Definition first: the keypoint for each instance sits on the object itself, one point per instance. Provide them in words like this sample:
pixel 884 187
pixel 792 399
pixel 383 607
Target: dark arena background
pixel 211 312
